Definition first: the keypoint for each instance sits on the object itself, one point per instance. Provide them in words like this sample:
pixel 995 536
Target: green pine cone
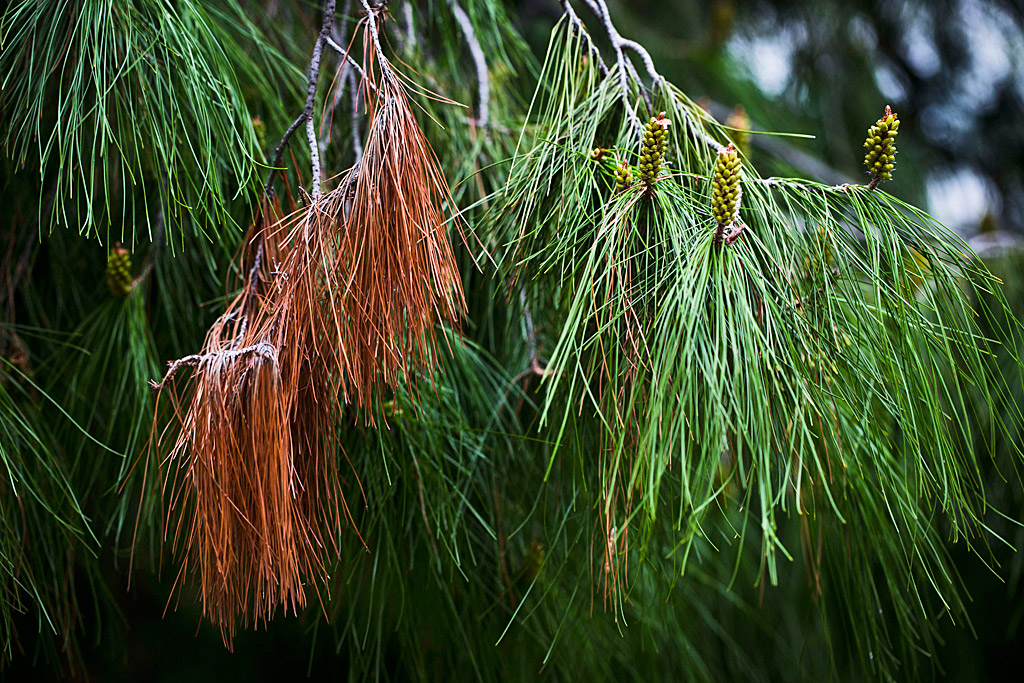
pixel 725 187
pixel 880 158
pixel 623 177
pixel 652 152
pixel 119 271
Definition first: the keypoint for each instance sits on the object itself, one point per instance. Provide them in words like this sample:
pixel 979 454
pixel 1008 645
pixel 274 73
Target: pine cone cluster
pixel 881 145
pixel 119 271
pixel 652 151
pixel 725 188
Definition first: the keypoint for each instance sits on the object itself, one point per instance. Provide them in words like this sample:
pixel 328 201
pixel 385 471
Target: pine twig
pixel 275 164
pixel 620 60
pixel 479 61
pixel 410 31
pixel 156 239
pixel 346 81
pixel 621 45
pixel 371 23
pixel 531 339
pixel 626 69
pixel 307 112
pixel 306 116
pixel 351 61
pixel 263 349
pixel 352 85
pixel 314 76
pixel 357 141
pixel 795 157
pixel 579 29
pixel 625 66
pixel 340 84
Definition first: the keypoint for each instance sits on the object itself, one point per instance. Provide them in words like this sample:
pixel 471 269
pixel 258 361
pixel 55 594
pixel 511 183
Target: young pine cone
pixel 623 177
pixel 881 145
pixel 725 187
pixel 652 151
pixel 119 271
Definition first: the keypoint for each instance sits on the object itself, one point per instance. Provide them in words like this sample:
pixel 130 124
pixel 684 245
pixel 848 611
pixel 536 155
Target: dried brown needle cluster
pixel 341 304
pixel 402 276
pixel 252 489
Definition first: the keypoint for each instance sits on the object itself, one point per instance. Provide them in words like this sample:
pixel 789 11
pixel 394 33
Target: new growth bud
pixel 652 151
pixel 119 271
pixel 260 129
pixel 881 146
pixel 740 123
pixel 725 187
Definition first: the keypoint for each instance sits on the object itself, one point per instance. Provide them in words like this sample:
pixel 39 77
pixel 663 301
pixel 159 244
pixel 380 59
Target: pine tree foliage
pixel 550 382
pixel 109 96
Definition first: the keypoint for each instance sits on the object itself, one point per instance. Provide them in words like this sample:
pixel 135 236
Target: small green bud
pixel 740 123
pixel 260 129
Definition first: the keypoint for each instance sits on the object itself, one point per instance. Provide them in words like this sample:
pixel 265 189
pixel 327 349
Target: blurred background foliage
pixel 953 69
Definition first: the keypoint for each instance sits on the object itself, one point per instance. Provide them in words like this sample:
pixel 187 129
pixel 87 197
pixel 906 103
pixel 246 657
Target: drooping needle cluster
pixel 340 307
pixel 401 278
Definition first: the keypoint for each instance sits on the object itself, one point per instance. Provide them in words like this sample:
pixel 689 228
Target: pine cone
pixel 623 177
pixel 881 145
pixel 725 188
pixel 119 271
pixel 652 151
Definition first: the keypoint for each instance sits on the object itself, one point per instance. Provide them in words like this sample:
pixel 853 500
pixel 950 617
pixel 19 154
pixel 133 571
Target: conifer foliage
pixel 518 359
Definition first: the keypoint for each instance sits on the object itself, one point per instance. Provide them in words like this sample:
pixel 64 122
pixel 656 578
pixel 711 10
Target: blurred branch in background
pixel 952 68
